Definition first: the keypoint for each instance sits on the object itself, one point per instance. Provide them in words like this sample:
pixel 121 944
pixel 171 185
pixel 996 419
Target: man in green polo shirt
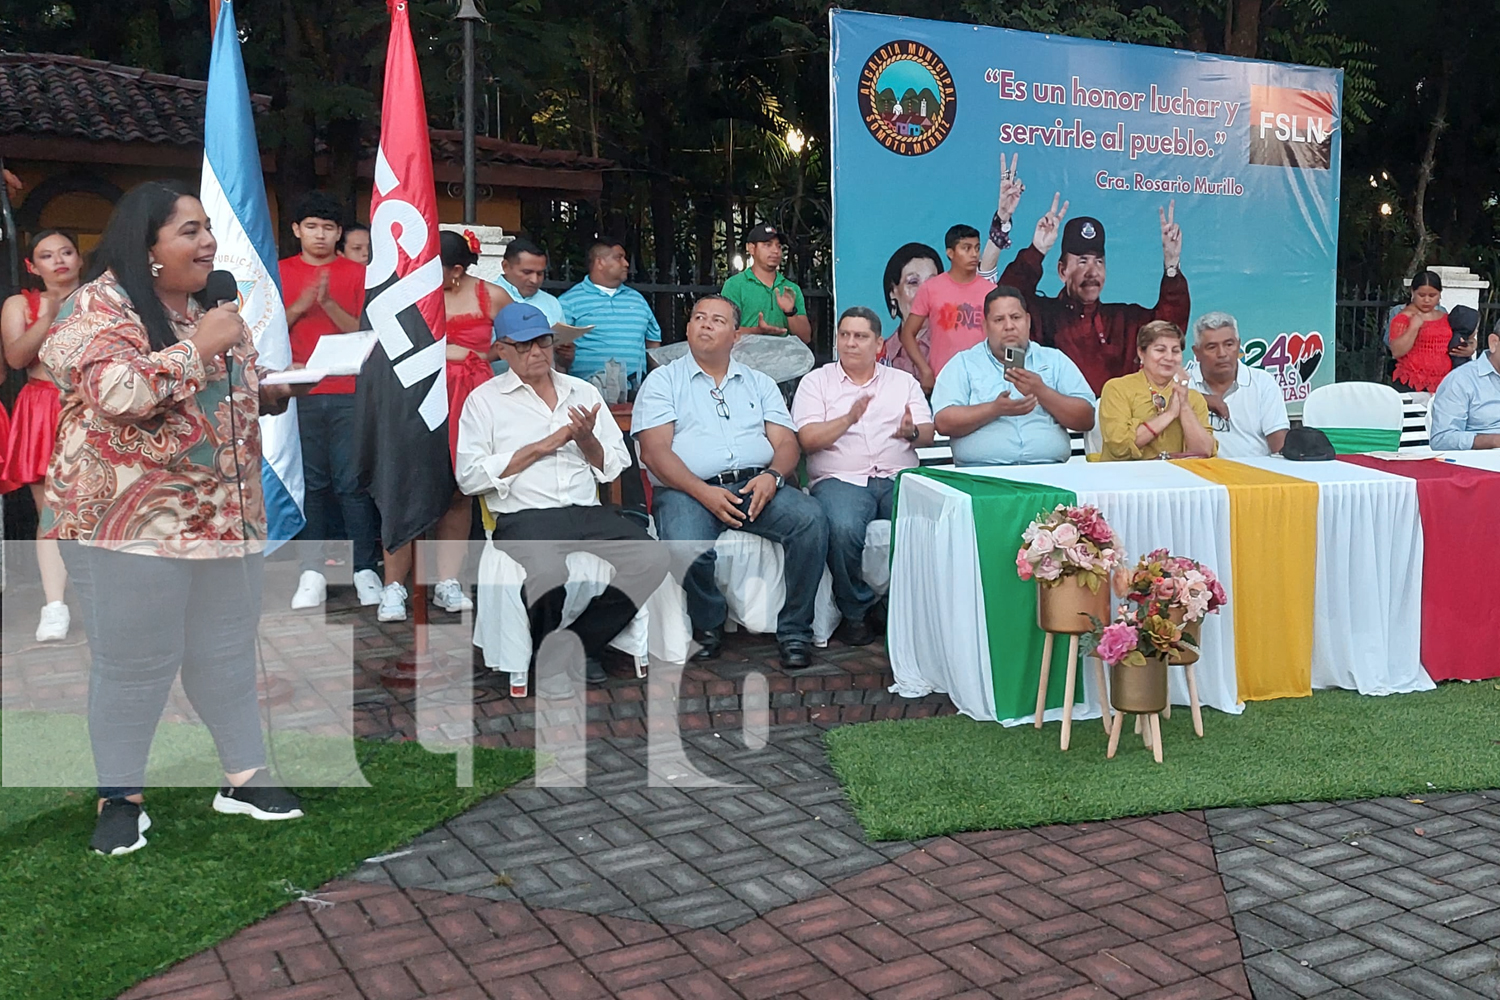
pixel 768 302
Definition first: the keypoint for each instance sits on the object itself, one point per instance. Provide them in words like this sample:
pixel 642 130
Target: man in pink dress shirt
pixel 860 423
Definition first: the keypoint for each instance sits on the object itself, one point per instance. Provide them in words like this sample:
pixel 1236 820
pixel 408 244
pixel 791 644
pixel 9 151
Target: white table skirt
pixel 938 637
pixel 1367 604
pixel 1367 597
pixel 1155 505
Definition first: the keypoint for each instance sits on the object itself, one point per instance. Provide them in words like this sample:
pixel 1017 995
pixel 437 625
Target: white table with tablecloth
pixel 1366 591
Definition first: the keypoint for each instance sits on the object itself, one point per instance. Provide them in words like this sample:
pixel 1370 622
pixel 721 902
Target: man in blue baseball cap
pixel 536 445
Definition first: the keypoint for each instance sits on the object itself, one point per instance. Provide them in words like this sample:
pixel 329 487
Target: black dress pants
pixel 541 540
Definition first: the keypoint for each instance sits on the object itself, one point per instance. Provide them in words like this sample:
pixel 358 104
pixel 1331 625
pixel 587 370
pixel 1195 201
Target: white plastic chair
pixel 502 626
pixel 875 564
pixel 750 572
pixel 1356 416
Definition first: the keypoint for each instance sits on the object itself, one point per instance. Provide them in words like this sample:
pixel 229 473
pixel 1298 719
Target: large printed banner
pixel 1192 183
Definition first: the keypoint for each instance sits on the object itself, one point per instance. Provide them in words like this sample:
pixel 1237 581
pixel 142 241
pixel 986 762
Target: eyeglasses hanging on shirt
pixel 720 405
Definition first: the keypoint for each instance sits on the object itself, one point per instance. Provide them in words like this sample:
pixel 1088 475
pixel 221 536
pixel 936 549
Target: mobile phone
pixel 1015 357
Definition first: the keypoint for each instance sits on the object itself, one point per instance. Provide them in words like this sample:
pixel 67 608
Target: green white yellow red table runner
pixel 1273 530
pixel 1329 594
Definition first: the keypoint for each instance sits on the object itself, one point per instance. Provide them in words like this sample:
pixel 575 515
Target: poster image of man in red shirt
pixel 1098 336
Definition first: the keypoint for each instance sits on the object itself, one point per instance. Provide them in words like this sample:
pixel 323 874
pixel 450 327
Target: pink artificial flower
pixel 1117 640
pixel 1079 556
pixel 1105 535
pixel 1049 569
pixel 1023 565
pixel 1065 535
pixel 1217 589
pixel 1042 543
pixel 1163 588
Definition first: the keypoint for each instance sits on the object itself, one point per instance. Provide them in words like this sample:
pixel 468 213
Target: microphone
pixel 221 288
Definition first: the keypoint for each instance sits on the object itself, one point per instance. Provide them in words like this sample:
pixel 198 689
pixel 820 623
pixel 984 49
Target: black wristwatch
pixel 776 477
pixel 1000 232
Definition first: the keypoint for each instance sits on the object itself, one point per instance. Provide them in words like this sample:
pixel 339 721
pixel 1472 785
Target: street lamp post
pixel 469 14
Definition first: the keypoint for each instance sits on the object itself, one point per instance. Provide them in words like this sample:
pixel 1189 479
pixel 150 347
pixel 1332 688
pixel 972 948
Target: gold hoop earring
pixel 155 269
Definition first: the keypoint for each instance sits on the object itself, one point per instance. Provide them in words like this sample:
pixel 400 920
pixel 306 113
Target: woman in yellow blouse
pixel 1152 412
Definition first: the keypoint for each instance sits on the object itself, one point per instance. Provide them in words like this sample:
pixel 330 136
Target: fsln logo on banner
pixel 1291 128
pixel 907 98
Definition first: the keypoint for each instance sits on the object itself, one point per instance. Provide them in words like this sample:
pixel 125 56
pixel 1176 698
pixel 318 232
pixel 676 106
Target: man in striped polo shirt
pixel 624 326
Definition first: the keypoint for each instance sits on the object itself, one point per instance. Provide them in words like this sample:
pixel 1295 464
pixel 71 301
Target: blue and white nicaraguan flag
pixel 234 196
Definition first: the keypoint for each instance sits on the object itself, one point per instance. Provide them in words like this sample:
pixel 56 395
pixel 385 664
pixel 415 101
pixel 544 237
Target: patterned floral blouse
pixel 155 455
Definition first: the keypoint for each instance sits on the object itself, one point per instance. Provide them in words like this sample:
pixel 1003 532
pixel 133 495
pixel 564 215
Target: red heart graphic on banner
pixel 1309 364
pixel 1314 343
pixel 1294 344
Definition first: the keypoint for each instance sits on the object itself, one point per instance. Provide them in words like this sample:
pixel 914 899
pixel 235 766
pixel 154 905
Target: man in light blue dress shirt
pixel 1006 400
pixel 1466 406
pixel 719 445
pixel 522 271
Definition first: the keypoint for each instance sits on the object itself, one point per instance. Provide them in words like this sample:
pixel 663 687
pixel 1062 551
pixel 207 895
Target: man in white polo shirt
pixel 1246 410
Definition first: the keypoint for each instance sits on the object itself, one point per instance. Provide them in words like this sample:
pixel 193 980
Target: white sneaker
pixel 392 603
pixel 449 595
pixel 53 625
pixel 312 590
pixel 367 584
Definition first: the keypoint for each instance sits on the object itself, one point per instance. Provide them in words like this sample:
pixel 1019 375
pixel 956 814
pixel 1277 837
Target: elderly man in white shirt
pixel 536 445
pixel 1247 412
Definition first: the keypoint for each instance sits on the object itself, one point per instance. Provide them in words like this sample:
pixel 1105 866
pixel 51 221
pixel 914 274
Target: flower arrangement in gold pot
pixel 1070 551
pixel 1179 589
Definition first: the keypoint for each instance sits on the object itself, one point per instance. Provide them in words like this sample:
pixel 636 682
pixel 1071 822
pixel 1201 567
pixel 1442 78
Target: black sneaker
pixel 259 798
pixel 121 828
pixel 857 632
pixel 594 671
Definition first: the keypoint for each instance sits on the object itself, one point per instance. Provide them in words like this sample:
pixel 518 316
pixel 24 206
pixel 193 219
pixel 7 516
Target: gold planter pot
pixel 1139 690
pixel 1065 608
pixel 1193 630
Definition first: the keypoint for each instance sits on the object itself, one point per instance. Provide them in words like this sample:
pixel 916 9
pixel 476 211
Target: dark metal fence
pixel 1361 320
pixel 673 305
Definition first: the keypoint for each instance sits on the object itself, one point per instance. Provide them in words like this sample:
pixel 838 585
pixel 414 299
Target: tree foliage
pixel 695 99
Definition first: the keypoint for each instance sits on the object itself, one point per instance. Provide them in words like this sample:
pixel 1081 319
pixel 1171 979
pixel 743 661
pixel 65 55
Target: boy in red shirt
pixel 324 293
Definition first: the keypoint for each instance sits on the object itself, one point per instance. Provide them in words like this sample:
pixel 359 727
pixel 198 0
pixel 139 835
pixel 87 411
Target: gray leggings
pixel 148 617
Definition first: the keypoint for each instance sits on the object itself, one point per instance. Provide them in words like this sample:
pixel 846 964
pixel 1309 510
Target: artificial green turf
pixel 76 925
pixel 926 777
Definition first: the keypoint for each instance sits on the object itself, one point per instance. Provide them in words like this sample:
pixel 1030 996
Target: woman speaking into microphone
pixel 156 477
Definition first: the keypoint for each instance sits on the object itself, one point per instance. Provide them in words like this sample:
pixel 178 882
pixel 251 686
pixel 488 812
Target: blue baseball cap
pixel 521 323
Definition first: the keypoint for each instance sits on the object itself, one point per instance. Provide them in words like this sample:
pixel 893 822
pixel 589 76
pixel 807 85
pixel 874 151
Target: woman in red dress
pixel 471 304
pixel 1421 339
pixel 54 262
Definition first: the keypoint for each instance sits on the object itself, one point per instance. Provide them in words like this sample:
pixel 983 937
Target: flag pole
pixel 469 15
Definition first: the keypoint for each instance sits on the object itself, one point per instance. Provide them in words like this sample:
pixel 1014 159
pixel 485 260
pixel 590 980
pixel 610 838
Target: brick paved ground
pixel 698 857
pixel 1064 913
pixel 769 889
pixel 1394 899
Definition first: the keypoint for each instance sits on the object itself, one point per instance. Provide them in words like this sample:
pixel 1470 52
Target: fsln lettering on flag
pixel 402 391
